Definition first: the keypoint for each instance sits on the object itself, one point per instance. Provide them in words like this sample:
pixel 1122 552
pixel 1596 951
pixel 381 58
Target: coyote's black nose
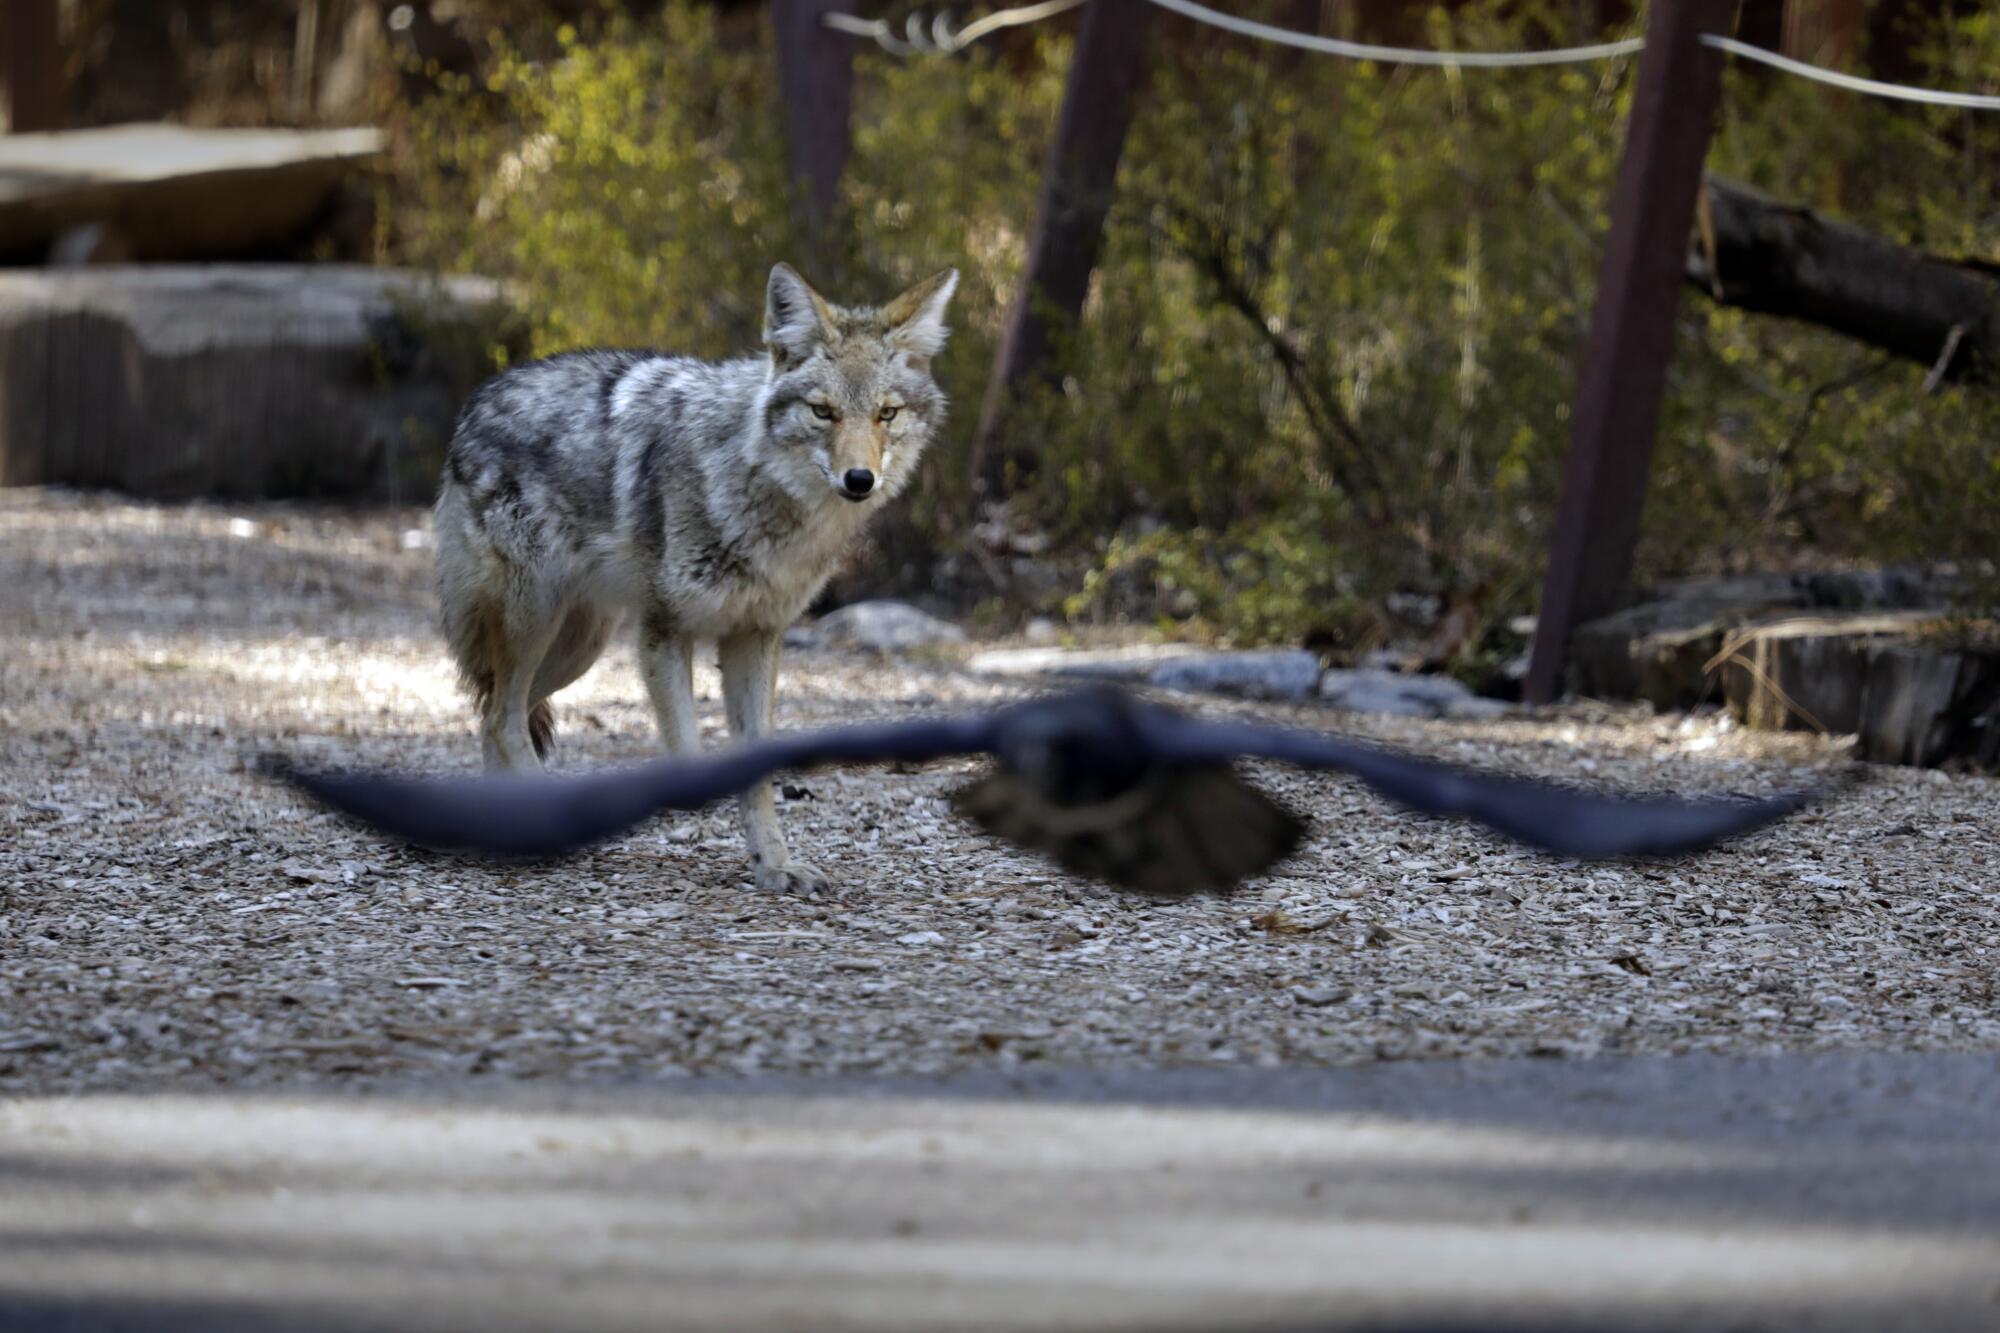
pixel 858 481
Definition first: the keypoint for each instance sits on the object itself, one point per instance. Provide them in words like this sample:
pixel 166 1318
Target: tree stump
pixel 1905 697
pixel 1807 673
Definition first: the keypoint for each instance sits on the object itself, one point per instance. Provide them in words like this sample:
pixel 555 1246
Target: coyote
pixel 705 501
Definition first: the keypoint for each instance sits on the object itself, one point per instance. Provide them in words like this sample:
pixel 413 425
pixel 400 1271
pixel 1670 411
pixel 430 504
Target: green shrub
pixel 1329 351
pixel 629 189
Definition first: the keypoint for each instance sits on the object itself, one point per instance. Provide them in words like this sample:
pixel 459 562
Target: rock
pixel 90 243
pixel 856 964
pixel 1390 692
pixel 27 1043
pixel 1873 589
pixel 1130 665
pixel 1276 674
pixel 1040 630
pixel 1388 659
pixel 1421 608
pixel 1477 709
pixel 801 636
pixel 887 627
pixel 1744 590
pixel 250 381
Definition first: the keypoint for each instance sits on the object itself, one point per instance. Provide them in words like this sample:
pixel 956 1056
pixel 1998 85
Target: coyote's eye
pixel 889 413
pixel 822 411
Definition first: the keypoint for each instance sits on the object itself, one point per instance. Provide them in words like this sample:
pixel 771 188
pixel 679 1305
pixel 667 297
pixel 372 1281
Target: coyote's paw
pixel 793 877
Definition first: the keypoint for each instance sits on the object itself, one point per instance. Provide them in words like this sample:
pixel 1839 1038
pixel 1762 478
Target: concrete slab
pixel 172 191
pixel 169 380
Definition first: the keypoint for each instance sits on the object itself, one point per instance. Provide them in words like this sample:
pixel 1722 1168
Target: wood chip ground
pixel 168 918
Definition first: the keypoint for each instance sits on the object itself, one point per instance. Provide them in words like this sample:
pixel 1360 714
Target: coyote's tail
pixel 542 727
pixel 477 638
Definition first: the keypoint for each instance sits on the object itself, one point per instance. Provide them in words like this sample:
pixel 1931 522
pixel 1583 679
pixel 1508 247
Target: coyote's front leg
pixel 666 663
pixel 749 663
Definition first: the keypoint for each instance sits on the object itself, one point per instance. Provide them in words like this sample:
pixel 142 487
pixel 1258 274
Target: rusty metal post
pixel 816 83
pixel 34 69
pixel 1099 99
pixel 1624 371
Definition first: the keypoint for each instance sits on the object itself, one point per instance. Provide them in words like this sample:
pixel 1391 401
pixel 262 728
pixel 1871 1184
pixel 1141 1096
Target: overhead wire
pixel 1399 55
pixel 1902 92
pixel 942 39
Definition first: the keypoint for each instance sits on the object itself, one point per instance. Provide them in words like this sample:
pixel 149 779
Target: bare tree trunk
pixel 306 39
pixel 1785 260
pixel 1828 33
pixel 138 72
pixel 1098 103
pixel 34 66
pixel 1824 32
pixel 816 81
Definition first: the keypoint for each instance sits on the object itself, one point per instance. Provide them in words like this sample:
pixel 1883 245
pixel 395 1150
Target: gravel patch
pixel 168 918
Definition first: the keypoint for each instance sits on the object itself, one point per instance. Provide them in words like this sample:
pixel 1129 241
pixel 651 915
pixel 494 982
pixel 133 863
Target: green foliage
pixel 1812 441
pixel 1275 584
pixel 1357 294
pixel 629 186
pixel 1330 347
pixel 630 189
pixel 946 166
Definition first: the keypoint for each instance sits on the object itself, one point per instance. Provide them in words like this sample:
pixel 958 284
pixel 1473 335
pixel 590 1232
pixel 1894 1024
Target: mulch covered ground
pixel 167 917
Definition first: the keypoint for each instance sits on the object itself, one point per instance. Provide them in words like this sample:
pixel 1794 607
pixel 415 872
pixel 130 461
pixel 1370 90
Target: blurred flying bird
pixel 1105 784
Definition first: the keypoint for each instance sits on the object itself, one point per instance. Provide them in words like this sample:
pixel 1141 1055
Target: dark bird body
pixel 1107 785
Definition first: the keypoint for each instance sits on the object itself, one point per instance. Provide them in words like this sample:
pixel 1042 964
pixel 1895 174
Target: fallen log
pixel 1757 253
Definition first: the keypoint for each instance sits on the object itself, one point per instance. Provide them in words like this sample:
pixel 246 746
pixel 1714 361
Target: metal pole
pixel 1624 371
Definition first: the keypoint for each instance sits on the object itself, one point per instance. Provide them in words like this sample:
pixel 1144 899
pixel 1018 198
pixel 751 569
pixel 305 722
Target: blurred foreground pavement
pixel 1818 1191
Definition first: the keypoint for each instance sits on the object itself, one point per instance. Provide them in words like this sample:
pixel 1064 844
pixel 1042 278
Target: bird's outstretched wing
pixel 1106 784
pixel 548 815
pixel 1553 818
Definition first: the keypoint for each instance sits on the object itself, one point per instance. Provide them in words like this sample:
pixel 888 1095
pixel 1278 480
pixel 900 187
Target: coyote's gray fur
pixel 705 501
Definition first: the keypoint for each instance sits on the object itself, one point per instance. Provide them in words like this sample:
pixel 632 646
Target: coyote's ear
pixel 796 318
pixel 916 318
